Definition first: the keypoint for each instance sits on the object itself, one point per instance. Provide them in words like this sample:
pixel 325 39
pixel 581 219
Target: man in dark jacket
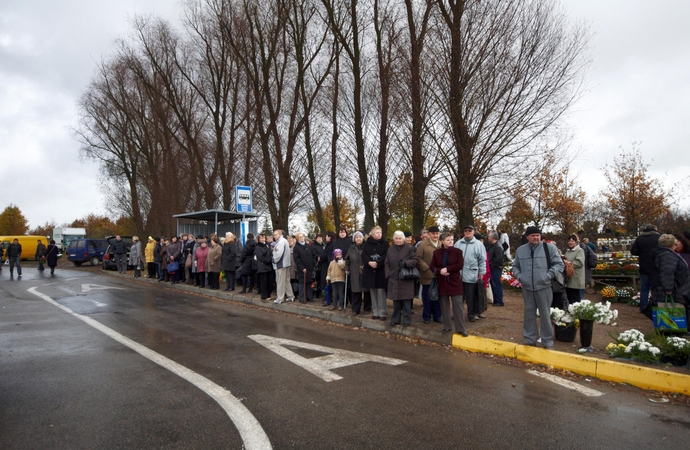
pixel 305 262
pixel 496 257
pixel 40 253
pixel 14 253
pixel 120 254
pixel 247 266
pixel 643 247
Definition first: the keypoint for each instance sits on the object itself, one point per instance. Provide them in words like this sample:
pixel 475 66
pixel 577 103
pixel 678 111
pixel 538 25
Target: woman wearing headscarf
pixel 446 264
pixel 400 255
pixel 373 274
pixel 213 261
pixel 354 264
pixel 135 256
pixel 150 259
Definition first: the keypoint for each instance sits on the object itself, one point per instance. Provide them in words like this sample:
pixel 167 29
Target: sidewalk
pixel 499 334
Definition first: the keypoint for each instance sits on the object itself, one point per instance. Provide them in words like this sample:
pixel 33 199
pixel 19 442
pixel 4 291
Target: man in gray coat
pixel 281 264
pixel 531 268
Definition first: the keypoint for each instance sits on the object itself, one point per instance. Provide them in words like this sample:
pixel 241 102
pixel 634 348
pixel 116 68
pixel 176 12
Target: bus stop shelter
pixel 217 221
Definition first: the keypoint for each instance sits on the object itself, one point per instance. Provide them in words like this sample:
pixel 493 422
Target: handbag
pixel 408 273
pixel 558 283
pixel 433 290
pixel 669 320
pixel 505 246
pixel 569 270
pixel 172 267
pixel 188 261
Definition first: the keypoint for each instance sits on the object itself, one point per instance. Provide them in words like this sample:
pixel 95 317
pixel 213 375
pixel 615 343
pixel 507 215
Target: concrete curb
pixel 643 377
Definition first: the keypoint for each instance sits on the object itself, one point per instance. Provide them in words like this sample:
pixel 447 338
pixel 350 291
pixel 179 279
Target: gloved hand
pixel 401 264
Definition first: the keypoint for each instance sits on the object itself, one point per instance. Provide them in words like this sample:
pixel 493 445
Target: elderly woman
pixel 446 264
pixel 353 262
pixel 400 255
pixel 52 256
pixel 174 255
pixel 200 263
pixel 135 256
pixel 670 275
pixel 683 247
pixel 150 260
pixel 374 253
pixel 213 262
pixel 575 257
pixel 264 267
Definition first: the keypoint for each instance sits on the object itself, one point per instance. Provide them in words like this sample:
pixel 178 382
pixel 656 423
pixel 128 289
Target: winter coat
pixel 326 249
pixel 195 265
pixel 336 271
pixel 157 253
pixel 175 250
pixel 40 250
pixel 450 258
pixel 164 255
pixel 353 262
pixel 304 259
pixel 400 289
pixel 425 252
pixel 119 247
pixel 576 256
pixel 148 251
pixel 374 278
pixel 292 273
pixel 281 254
pixel 264 258
pixel 496 256
pixel 229 258
pixel 670 274
pixel 135 254
pixel 248 256
pixel 215 254
pixel 52 255
pixel 201 255
pixel 341 243
pixel 643 247
pixel 474 257
pixel 531 268
pixel 14 250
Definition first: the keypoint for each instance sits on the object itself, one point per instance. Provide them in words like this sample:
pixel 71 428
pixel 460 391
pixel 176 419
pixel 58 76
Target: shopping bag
pixel 669 319
pixel 433 290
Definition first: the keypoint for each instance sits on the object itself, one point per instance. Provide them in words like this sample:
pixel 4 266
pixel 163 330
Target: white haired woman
pixel 374 253
pixel 229 261
pixel 399 256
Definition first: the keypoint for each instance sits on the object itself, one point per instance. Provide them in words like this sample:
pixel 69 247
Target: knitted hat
pixel 336 252
pixel 532 230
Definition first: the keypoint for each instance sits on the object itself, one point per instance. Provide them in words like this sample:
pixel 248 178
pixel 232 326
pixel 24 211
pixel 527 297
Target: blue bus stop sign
pixel 243 199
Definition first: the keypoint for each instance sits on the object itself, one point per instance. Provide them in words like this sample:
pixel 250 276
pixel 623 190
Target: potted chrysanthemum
pixel 588 313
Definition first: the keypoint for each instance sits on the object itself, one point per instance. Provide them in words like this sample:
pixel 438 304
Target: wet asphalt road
pixel 67 385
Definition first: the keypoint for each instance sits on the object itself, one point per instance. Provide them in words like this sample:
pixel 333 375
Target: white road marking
pixel 321 365
pixel 249 428
pixel 589 392
pixel 97 287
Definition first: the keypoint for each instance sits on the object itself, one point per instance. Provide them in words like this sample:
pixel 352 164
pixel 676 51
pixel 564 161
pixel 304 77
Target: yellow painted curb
pixel 644 377
pixel 484 345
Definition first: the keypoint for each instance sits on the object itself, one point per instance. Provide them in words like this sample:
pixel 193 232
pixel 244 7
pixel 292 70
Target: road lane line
pixel 589 392
pixel 249 428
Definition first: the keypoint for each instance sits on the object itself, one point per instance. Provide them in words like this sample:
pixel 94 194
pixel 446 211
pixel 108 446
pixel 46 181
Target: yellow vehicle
pixel 28 243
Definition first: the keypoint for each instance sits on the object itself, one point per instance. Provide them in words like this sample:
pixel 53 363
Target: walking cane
pixel 345 296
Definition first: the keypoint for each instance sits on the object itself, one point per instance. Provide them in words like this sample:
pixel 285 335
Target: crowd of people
pixel 356 270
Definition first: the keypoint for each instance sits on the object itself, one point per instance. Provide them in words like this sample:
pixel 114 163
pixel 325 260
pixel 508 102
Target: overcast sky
pixel 637 91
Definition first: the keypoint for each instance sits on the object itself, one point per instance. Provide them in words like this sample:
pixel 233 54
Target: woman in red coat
pixel 446 264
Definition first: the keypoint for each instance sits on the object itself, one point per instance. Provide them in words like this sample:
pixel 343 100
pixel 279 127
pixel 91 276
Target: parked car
pixel 86 250
pixel 109 258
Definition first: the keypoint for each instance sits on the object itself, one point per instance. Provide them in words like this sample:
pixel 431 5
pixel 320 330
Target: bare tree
pixel 512 69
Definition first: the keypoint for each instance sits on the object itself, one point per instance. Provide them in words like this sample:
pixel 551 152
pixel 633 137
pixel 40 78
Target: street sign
pixel 243 199
pixel 320 366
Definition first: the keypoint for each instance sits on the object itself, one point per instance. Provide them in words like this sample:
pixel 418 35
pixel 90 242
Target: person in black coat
pixel 644 246
pixel 52 256
pixel 318 247
pixel 228 261
pixel 264 267
pixel 324 261
pixel 247 259
pixel 304 267
pixel 373 274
